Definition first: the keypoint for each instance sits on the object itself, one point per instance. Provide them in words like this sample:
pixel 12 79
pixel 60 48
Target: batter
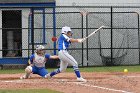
pixel 64 42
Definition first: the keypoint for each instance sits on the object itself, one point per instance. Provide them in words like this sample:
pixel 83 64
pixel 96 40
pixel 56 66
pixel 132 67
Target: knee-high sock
pixel 55 72
pixel 77 72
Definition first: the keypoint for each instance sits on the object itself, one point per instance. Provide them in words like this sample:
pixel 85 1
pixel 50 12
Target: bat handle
pixel 84 39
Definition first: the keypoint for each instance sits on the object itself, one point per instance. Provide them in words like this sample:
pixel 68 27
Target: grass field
pixel 28 91
pixel 84 69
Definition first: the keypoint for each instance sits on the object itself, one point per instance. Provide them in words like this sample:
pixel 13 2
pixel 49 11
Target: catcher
pixel 37 63
pixel 63 43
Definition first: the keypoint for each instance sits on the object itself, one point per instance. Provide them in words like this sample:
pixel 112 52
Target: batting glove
pixel 80 40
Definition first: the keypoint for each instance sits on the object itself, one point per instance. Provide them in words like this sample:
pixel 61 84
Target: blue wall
pixel 13 60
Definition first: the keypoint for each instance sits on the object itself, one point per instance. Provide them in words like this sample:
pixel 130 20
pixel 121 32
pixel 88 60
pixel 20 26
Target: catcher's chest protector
pixel 39 61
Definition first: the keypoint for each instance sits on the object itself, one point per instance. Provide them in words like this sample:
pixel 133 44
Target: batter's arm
pixel 54 57
pixel 75 40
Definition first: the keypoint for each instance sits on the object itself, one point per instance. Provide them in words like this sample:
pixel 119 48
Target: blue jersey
pixel 63 42
pixel 39 61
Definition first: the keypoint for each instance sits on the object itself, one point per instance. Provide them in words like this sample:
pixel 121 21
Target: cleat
pixel 81 79
pixel 23 77
pixel 27 75
pixel 48 76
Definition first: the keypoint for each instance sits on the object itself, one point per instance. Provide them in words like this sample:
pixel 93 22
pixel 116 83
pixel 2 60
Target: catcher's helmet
pixel 39 47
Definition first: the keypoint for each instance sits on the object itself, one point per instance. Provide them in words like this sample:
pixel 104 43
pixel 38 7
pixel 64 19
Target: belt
pixel 62 49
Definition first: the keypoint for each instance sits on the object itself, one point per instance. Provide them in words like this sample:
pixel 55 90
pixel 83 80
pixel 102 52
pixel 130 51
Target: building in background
pixel 97 2
pixel 15 27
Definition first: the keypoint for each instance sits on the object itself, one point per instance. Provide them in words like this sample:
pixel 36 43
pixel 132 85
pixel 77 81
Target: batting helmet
pixel 66 29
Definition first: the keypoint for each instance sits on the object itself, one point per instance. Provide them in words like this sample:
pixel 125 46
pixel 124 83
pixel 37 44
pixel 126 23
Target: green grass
pixel 84 69
pixel 111 69
pixel 108 69
pixel 28 91
pixel 11 71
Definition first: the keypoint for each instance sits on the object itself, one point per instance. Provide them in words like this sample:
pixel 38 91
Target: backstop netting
pixel 117 42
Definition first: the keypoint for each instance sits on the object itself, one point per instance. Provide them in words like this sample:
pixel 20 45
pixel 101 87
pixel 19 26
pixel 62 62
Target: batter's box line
pixel 104 88
pixel 19 81
pixel 12 81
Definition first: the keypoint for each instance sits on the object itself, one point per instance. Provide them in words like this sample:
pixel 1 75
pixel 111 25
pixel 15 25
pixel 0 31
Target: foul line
pixel 87 85
pixel 132 76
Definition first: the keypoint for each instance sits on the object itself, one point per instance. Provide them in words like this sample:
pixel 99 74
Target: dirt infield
pixel 66 82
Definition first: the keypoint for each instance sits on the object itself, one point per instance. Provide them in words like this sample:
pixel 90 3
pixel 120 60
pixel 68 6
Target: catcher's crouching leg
pixel 28 71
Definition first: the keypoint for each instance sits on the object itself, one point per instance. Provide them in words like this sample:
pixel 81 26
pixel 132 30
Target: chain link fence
pixel 117 44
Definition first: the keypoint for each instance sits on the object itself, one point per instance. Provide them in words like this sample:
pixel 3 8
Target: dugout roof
pixel 27 3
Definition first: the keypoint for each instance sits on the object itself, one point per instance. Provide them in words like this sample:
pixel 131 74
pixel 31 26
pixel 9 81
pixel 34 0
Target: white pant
pixel 66 59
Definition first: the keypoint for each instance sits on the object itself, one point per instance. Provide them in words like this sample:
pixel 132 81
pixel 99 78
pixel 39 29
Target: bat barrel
pixel 93 32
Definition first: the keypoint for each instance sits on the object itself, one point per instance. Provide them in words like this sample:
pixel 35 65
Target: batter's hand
pixel 80 40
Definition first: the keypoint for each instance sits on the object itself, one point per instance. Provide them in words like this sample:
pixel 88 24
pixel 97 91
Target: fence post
pixel 54 29
pixel 82 43
pixel 138 37
pixel 32 29
pixel 86 36
pixel 111 34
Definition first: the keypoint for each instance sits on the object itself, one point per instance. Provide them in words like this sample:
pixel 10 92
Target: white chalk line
pixel 132 76
pixel 104 88
pixel 78 83
pixel 13 81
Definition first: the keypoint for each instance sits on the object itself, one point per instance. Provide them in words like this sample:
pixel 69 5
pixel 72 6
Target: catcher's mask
pixel 40 49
